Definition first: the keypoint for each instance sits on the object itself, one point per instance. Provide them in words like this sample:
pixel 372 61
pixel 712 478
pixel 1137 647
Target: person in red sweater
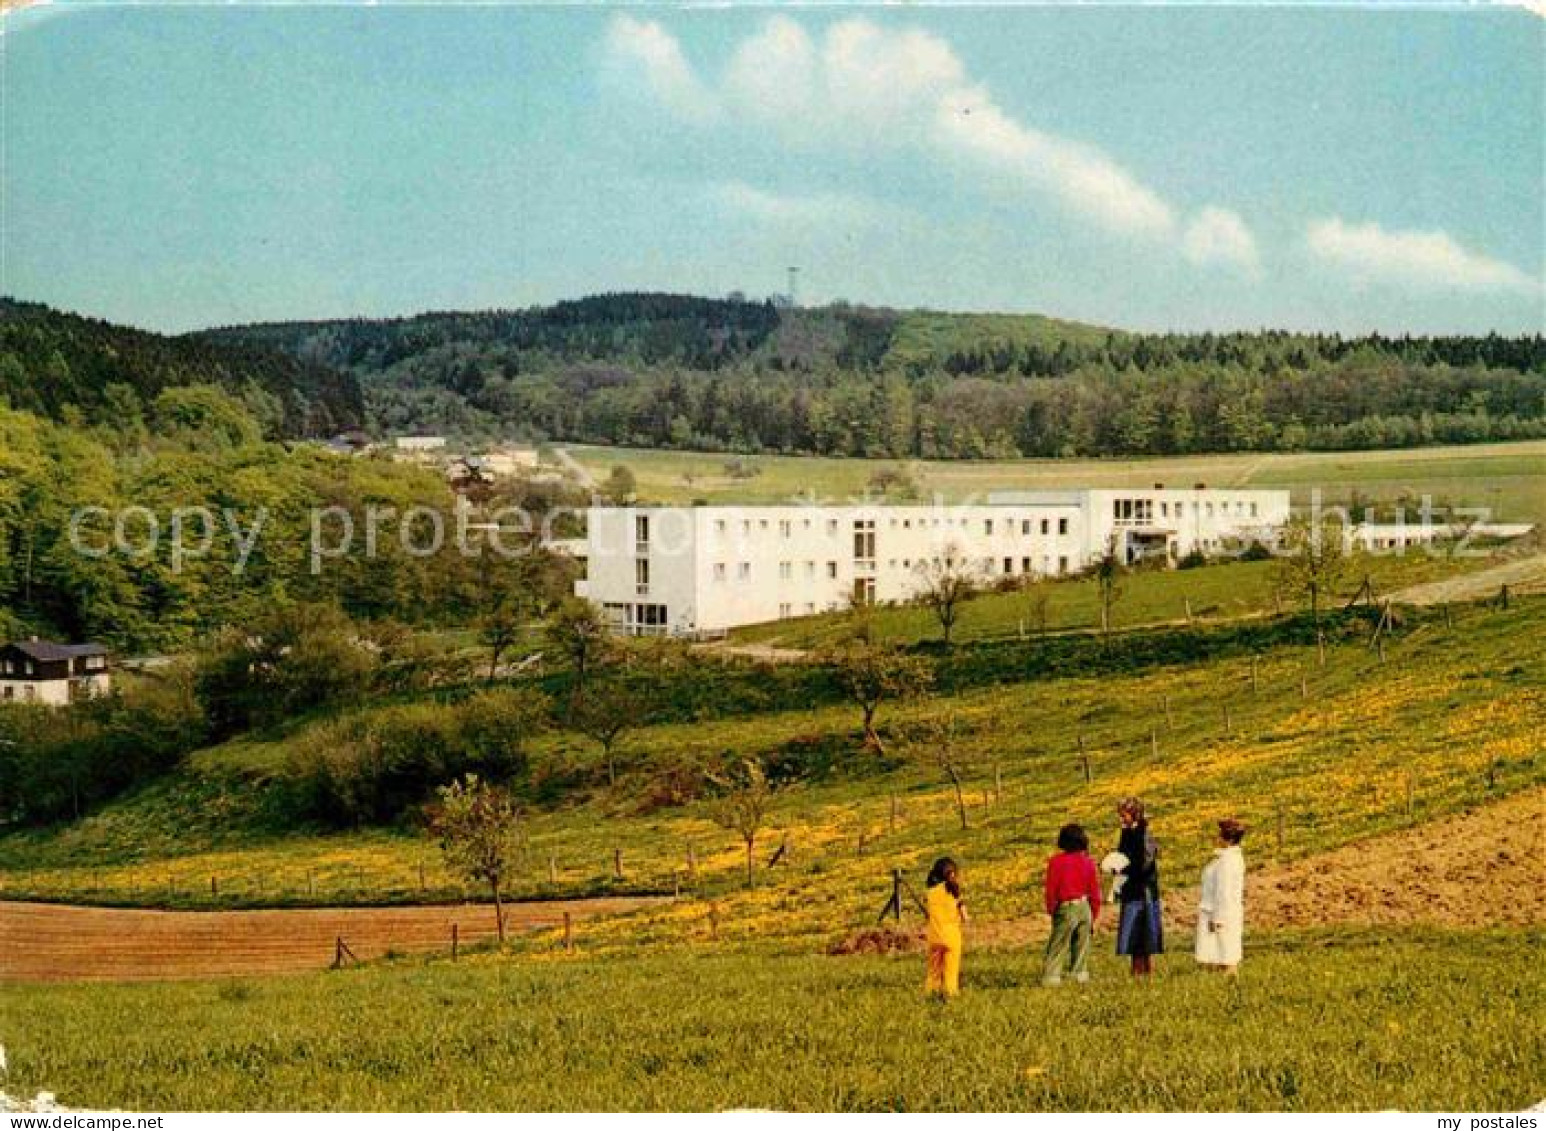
pixel 1073 901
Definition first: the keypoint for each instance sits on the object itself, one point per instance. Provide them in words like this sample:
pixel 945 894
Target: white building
pixel 40 671
pixel 687 570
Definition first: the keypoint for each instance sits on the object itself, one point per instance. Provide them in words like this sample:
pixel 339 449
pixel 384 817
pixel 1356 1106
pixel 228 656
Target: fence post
pixel 617 863
pixel 552 868
pixel 1188 602
pixel 456 941
pixel 1320 647
pixel 1304 686
pixel 998 783
pixel 1229 721
pixel 311 883
pixel 1409 794
pixel 1153 743
pixel 568 931
pixel 422 884
pixel 214 887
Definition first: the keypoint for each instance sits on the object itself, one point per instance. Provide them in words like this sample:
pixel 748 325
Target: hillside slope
pixel 53 363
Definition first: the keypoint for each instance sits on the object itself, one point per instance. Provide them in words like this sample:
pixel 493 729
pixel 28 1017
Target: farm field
pixel 1364 1020
pixel 1508 478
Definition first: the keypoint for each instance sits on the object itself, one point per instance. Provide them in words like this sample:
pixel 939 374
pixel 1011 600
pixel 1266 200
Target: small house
pixel 41 671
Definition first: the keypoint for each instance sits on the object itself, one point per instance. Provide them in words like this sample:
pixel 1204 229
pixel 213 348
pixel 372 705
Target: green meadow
pixel 1411 1020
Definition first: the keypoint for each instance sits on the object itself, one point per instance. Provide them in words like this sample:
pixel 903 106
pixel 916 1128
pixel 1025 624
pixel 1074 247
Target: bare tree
pixel 479 835
pixel 743 806
pixel 936 743
pixel 946 584
pixel 869 673
pixel 1109 571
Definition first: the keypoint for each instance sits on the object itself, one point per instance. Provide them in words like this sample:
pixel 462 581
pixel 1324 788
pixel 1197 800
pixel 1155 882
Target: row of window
pixel 1142 510
pixel 786 570
pixel 786 525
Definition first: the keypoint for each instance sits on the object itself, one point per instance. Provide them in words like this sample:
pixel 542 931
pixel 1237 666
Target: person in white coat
pixel 1221 909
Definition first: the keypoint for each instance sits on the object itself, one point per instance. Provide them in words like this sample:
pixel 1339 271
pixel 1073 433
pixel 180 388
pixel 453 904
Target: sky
pixel 1146 167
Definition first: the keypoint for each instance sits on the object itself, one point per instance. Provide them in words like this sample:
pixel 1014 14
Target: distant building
pixel 689 570
pixel 40 671
pixel 510 461
pixel 419 444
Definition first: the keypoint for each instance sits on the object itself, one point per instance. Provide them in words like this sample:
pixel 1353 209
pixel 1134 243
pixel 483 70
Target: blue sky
pixel 1145 167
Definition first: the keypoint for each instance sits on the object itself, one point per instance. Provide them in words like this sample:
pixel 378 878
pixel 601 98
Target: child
pixel 1221 908
pixel 1073 901
pixel 947 912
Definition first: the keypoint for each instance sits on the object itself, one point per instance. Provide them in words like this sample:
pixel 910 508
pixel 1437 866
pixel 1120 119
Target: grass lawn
pixel 1413 1020
pixel 1214 592
pixel 1508 478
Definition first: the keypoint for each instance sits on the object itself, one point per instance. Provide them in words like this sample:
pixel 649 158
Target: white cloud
pixel 1218 236
pixel 1428 260
pixel 868 85
pixel 802 209
pixel 644 50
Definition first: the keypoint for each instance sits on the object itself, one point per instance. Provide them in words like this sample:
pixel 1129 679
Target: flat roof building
pixel 689 570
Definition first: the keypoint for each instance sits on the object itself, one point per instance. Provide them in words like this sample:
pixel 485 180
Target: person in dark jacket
pixel 1140 930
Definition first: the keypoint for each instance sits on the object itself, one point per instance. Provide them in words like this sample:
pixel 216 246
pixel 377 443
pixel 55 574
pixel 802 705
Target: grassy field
pixel 1450 719
pixel 1209 593
pixel 1510 478
pixel 1374 1021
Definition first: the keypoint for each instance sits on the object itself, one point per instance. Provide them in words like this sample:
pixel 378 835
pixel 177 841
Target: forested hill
pixel 63 366
pixel 730 374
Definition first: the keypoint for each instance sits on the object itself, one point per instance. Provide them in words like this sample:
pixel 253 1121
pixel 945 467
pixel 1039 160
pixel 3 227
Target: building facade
pixel 40 671
pixel 694 570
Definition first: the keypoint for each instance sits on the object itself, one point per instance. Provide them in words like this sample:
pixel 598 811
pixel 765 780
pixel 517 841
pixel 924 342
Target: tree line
pixel 738 376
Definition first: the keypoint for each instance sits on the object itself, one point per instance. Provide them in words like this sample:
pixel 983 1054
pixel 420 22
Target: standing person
pixel 1221 908
pixel 1072 892
pixel 947 913
pixel 1140 930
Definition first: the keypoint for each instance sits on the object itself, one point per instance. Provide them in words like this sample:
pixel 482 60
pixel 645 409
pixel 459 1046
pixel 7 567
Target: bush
pixel 57 763
pixel 377 767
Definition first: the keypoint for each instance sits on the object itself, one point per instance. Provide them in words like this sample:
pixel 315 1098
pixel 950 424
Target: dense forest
pixel 89 550
pixel 66 367
pixel 655 370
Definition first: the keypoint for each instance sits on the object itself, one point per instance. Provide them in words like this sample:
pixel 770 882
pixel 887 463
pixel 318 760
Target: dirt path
pixel 1482 868
pixel 1520 575
pixel 43 942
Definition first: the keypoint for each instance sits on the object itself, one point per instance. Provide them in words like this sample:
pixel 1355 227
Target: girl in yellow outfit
pixel 947 912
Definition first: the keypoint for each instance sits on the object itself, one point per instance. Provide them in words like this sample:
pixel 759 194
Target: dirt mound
pixel 878 940
pixel 42 942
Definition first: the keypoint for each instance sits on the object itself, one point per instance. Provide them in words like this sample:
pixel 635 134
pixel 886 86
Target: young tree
pixel 936 744
pixel 868 673
pixel 579 632
pixel 743 806
pixel 946 584
pixel 477 824
pixel 606 710
pixel 1109 570
pixel 1312 560
pixel 500 628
